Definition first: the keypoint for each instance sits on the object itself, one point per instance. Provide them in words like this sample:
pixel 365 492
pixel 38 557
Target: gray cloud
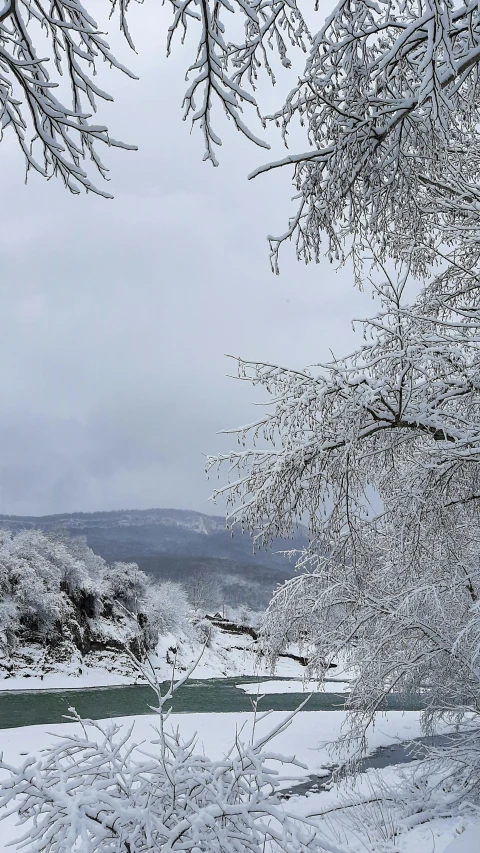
pixel 115 316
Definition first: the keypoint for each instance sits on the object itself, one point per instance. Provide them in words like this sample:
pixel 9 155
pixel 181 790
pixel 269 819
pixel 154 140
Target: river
pixel 213 695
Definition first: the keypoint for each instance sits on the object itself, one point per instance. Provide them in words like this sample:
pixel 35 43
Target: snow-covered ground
pixel 373 827
pixel 392 815
pixel 309 734
pixel 403 826
pixel 226 655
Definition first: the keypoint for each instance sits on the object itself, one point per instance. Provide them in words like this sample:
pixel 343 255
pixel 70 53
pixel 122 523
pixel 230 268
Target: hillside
pixel 61 603
pixel 178 545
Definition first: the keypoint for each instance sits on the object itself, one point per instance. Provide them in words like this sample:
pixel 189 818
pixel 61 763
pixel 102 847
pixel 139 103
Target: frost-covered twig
pixel 381 452
pixel 98 791
pixel 53 126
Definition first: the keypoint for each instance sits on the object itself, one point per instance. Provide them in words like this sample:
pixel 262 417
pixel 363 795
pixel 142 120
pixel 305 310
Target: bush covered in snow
pixel 59 595
pixel 99 792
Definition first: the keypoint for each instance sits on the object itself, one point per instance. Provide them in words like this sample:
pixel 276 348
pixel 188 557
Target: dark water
pixel 214 695
pixel 384 756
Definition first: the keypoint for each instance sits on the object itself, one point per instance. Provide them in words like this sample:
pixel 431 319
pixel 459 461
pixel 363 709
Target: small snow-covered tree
pixel 99 791
pixel 204 592
pixel 168 608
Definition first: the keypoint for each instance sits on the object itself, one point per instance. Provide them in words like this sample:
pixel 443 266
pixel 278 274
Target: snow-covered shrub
pixel 168 607
pixel 98 792
pixel 56 592
pixel 203 630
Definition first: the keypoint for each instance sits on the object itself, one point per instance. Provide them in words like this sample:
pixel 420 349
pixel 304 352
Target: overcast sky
pixel 116 315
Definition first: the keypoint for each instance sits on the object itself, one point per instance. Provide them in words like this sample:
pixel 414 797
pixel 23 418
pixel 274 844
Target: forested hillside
pixel 177 545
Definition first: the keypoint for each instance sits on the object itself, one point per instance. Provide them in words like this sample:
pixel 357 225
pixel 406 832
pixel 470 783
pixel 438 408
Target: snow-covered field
pixel 310 737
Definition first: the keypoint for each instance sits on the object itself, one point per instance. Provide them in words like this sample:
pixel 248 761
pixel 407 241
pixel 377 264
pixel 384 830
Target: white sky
pixel 115 315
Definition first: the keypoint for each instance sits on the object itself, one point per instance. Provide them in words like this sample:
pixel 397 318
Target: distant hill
pixel 175 544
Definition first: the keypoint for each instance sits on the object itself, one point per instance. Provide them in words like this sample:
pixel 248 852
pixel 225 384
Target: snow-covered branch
pixel 336 431
pixel 225 73
pixel 101 792
pixel 51 111
pixel 381 452
pixel 53 126
pixel 390 102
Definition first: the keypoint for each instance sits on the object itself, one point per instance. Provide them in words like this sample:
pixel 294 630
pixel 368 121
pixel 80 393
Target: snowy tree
pixel 204 592
pixel 381 452
pixel 168 608
pixel 128 584
pixel 55 590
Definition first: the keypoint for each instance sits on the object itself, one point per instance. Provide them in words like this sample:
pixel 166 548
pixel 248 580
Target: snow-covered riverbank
pixel 309 737
pixel 226 655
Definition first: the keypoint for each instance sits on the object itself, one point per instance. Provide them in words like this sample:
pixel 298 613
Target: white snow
pixel 468 841
pixel 386 827
pixel 310 737
pixel 227 655
pixel 90 677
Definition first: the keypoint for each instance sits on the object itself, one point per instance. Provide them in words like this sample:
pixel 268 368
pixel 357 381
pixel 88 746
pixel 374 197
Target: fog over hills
pixel 179 545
